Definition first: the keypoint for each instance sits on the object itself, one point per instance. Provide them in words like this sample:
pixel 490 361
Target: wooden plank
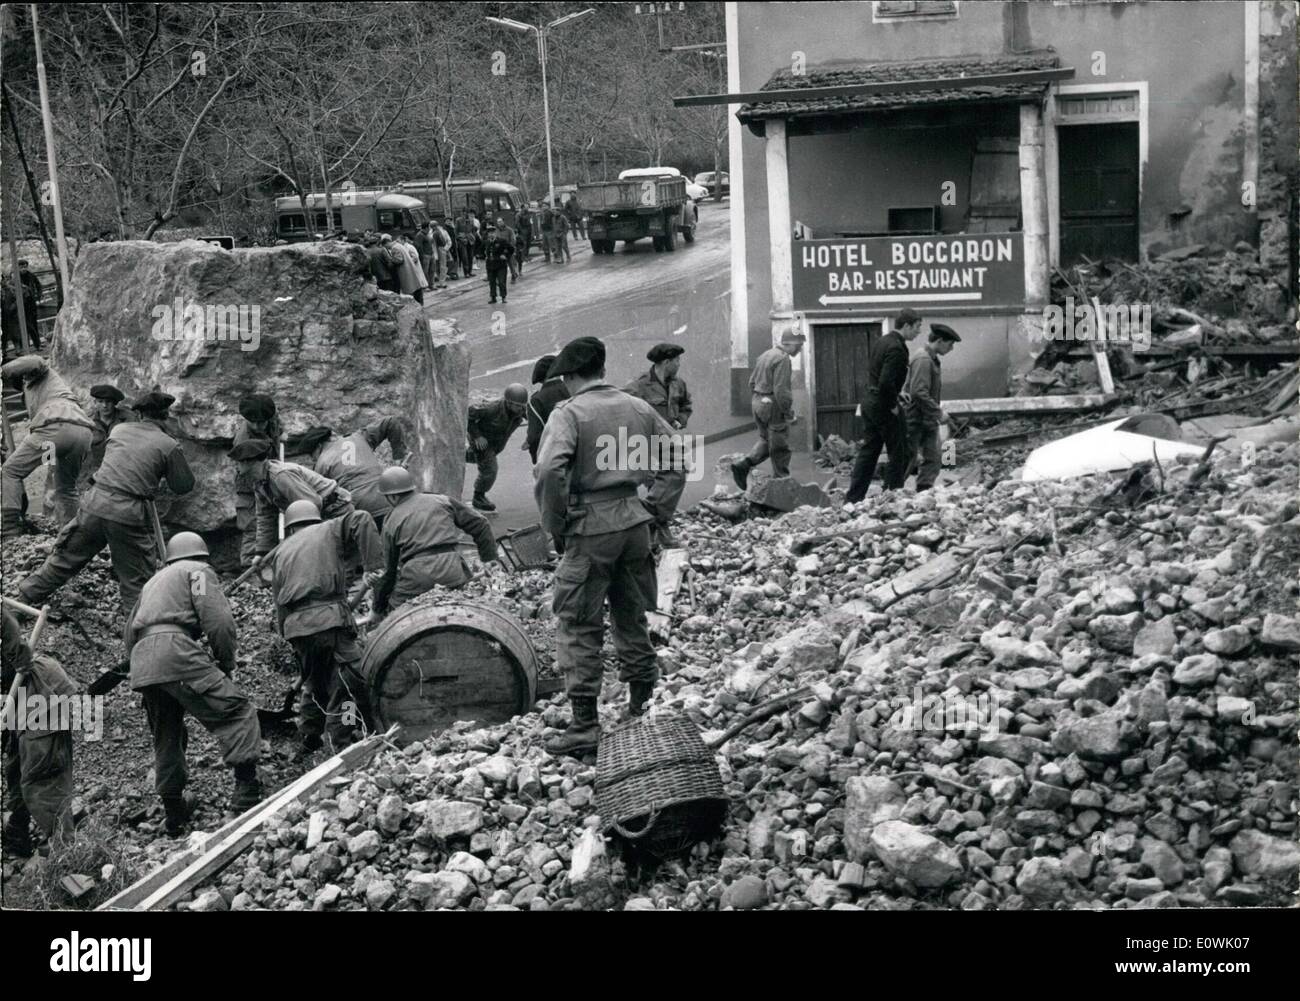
pixel 1028 404
pixel 672 564
pixel 1099 353
pixel 1284 396
pixel 918 579
pixel 164 887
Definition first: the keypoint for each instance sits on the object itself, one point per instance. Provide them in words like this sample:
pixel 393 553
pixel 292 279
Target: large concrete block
pixel 302 323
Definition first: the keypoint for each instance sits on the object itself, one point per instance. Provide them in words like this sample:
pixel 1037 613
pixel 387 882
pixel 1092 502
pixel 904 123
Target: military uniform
pixel 500 250
pixel 604 531
pixel 57 428
pixel 496 423
pixel 310 588
pixel 38 758
pixel 540 406
pixel 175 673
pixel 351 462
pixel 772 404
pixel 114 512
pixel 465 243
pixel 421 546
pixel 283 483
pixel 261 408
pixel 672 402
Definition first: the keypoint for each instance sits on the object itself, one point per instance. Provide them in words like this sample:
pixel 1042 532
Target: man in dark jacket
pixel 180 607
pixel 500 251
pixel 524 232
pixel 311 604
pixel 114 512
pixel 542 402
pixel 107 413
pixel 489 429
pixel 882 409
pixel 382 267
pixel 924 413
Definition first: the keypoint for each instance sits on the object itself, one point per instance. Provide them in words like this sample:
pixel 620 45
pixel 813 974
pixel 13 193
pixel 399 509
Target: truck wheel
pixel 689 234
pixel 658 243
pixel 597 246
pixel 670 238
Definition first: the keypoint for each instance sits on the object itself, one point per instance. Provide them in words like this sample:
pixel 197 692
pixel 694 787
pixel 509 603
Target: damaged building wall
pixel 309 329
pixel 1279 176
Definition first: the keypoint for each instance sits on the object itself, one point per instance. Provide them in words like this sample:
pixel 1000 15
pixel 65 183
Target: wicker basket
pixel 658 786
pixel 526 548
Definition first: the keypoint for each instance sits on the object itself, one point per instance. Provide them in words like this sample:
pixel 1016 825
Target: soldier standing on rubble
pixel 542 402
pixel 351 461
pixel 311 605
pixel 37 759
pixel 773 408
pixel 278 484
pixel 603 532
pixel 180 606
pixel 58 433
pixel 489 429
pixel 260 421
pixel 662 389
pixel 108 412
pixel 421 539
pixel 883 406
pixel 115 510
pixel 924 414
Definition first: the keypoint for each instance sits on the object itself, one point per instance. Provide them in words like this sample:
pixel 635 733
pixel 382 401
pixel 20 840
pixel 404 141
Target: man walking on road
pixel 489 428
pixel 181 606
pixel 603 532
pixel 924 413
pixel 546 219
pixel 500 248
pixel 772 404
pixel 882 409
pixel 561 230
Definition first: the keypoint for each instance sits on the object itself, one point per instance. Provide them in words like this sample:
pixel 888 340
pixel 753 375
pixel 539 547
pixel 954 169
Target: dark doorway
pixel 1099 191
pixel 840 371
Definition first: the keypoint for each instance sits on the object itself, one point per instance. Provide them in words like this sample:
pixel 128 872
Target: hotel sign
pixel 890 272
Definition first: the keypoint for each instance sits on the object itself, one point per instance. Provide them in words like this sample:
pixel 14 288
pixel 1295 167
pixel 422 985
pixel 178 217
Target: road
pixel 631 300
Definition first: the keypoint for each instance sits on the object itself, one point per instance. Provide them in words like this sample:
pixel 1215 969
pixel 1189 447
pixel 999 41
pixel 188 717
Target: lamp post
pixel 541 31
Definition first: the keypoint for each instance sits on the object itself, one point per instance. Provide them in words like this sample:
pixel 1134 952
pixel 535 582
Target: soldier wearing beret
pixel 542 402
pixel 603 530
pixel 924 414
pixel 278 484
pixel 114 512
pixel 259 421
pixel 57 428
pixel 662 389
pixel 107 412
pixel 351 462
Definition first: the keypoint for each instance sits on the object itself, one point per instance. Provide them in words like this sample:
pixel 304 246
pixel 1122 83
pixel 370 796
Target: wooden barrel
pixel 428 666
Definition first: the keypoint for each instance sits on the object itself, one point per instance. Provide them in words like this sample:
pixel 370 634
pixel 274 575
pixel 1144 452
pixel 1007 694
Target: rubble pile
pixel 1075 705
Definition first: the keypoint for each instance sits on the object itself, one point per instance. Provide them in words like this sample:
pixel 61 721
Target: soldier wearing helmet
pixel 310 585
pixel 490 427
pixel 421 539
pixel 177 675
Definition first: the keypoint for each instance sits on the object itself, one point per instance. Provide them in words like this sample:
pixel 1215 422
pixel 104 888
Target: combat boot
pixel 179 810
pixel 740 473
pixel 308 745
pixel 17 838
pixel 248 788
pixel 481 503
pixel 638 694
pixel 583 734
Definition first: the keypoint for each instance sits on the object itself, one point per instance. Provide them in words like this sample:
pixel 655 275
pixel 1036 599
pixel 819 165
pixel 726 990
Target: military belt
pixel 609 493
pixel 165 627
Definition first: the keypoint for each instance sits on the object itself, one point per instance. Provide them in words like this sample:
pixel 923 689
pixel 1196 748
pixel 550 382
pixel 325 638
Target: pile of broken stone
pixel 1125 733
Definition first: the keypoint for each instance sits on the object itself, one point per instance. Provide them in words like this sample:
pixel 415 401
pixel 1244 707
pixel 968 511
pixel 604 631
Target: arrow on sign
pixel 826 300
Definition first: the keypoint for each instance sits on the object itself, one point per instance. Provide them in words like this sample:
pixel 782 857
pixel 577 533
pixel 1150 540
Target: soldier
pixel 490 427
pixel 773 408
pixel 546 222
pixel 312 613
pixel 114 512
pixel 603 532
pixel 260 421
pixel 924 414
pixel 37 756
pixel 882 410
pixel 662 389
pixel 278 484
pixel 542 402
pixel 32 295
pixel 500 251
pixel 107 414
pixel 465 239
pixel 58 432
pixel 421 541
pixel 560 228
pixel 180 606
pixel 351 461
pixel 524 231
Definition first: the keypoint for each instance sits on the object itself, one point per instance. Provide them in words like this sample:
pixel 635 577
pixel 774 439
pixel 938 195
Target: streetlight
pixel 541 31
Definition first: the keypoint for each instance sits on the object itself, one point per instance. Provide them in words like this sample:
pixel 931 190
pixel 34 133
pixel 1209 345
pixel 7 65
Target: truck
pixel 647 201
pixel 353 211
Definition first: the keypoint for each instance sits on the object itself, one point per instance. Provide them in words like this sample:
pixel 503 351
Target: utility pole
pixel 50 156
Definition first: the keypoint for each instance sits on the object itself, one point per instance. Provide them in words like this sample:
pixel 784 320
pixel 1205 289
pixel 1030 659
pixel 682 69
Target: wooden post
pixel 1033 205
pixel 6 220
pixel 51 157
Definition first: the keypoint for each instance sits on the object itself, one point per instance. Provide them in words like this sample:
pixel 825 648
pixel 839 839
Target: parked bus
pixel 353 211
pixel 488 198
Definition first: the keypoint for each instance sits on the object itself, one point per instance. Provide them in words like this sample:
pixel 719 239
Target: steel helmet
pixel 300 512
pixel 185 545
pixel 396 480
pixel 515 393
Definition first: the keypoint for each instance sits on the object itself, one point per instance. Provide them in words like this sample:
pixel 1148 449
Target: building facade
pixel 948 155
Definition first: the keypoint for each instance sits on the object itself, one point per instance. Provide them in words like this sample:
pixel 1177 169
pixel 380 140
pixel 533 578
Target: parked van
pixel 351 210
pixel 488 198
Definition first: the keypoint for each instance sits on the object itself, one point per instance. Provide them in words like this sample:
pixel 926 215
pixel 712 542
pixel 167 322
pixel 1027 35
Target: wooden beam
pixel 1028 404
pixel 877 87
pixel 1099 353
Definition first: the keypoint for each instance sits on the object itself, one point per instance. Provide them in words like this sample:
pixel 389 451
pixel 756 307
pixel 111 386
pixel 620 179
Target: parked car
pixel 707 180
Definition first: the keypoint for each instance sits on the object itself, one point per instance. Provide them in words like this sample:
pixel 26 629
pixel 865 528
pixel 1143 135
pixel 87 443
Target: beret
pixel 307 441
pixel 257 407
pixel 578 354
pixel 663 351
pixel 542 368
pixel 153 402
pixel 943 330
pixel 103 391
pixel 250 450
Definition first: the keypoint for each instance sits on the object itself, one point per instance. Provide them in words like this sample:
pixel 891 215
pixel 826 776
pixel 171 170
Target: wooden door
pixel 1098 191
pixel 840 353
